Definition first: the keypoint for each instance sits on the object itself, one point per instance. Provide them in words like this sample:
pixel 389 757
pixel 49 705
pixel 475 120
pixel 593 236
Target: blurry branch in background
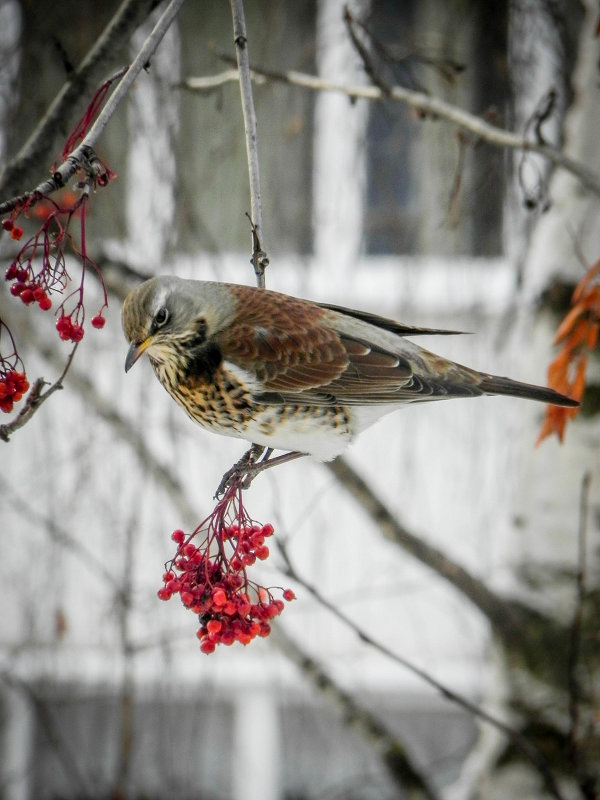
pixel 503 616
pixel 576 690
pixel 52 731
pixel 527 636
pixel 425 104
pixel 519 742
pixel 60 536
pixel 43 142
pixel 522 630
pixel 81 383
pixel 385 743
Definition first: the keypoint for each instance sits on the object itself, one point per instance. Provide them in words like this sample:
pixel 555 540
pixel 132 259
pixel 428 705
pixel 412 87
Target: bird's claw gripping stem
pixel 250 465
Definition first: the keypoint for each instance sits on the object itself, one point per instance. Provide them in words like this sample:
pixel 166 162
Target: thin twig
pixel 528 750
pixel 59 535
pixel 240 39
pixel 428 106
pixel 575 693
pixel 34 400
pixel 389 748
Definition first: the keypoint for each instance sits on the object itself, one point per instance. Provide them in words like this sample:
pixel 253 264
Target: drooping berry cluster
pixel 16 231
pixel 13 386
pixel 39 269
pixel 27 287
pixel 13 381
pixel 212 581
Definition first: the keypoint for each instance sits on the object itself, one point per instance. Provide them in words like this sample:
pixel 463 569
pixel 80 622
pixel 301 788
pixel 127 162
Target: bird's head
pixel 166 316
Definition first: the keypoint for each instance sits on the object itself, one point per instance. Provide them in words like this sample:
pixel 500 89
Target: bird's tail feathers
pixel 493 384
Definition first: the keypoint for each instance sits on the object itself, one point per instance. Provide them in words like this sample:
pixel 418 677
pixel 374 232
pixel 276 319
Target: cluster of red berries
pixel 13 386
pixel 16 231
pixel 230 606
pixel 69 330
pixel 27 288
pixel 72 331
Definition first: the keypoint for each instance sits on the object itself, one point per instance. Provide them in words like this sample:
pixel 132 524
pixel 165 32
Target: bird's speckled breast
pixel 222 404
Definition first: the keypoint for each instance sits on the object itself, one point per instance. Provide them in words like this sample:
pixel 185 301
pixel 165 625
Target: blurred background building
pixel 104 692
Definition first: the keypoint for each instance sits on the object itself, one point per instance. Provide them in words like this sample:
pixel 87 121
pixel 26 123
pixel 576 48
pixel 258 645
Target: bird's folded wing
pixel 295 352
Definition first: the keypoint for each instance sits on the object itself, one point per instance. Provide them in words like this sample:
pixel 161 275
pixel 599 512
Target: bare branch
pixel 61 537
pixel 389 748
pixel 84 155
pixel 81 383
pixel 34 400
pixel 240 39
pixel 426 105
pixel 42 142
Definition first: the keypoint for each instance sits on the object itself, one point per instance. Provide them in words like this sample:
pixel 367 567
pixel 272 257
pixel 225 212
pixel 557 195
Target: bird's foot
pixel 254 461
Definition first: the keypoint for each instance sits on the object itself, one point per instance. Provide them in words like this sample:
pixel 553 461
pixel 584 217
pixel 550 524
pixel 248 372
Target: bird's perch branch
pixel 240 38
pixel 432 107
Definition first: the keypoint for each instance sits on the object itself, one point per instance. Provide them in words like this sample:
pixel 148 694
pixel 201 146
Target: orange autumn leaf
pixel 583 283
pixel 573 316
pixel 578 335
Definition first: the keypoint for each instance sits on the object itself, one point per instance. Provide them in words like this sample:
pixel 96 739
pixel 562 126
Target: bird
pixel 286 373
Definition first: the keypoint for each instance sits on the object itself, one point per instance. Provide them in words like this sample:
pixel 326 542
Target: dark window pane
pixel 429 189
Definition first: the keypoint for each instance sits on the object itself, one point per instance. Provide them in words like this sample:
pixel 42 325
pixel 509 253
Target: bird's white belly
pixel 312 433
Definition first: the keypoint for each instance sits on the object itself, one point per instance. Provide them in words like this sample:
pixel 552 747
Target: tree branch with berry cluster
pixel 38 271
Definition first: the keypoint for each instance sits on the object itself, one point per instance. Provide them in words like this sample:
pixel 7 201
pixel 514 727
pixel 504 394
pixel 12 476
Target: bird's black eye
pixel 161 317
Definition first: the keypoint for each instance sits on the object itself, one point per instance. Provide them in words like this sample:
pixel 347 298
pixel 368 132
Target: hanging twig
pixel 240 38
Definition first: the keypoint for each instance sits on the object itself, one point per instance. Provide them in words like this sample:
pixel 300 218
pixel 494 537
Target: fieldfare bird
pixel 287 373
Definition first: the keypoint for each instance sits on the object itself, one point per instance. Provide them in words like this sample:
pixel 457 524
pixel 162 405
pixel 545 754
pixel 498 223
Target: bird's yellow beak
pixel 135 351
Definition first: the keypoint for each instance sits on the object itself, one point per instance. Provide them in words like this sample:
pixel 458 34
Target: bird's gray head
pixel 167 315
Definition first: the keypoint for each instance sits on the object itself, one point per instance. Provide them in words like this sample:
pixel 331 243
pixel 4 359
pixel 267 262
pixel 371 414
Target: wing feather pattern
pixel 298 356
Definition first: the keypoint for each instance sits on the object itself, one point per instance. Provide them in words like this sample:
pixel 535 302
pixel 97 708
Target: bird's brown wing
pixel 292 349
